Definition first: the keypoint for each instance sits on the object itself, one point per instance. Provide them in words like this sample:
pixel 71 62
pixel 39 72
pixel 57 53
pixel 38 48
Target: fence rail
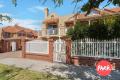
pixel 96 48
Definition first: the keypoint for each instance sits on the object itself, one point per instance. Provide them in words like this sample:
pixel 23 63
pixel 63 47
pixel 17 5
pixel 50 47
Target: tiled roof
pixel 114 10
pixel 83 16
pixel 11 29
pixel 52 20
pixel 16 29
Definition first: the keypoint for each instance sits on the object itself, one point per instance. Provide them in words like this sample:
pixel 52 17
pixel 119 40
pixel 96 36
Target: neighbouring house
pixel 55 26
pixel 95 14
pixel 11 37
pixel 53 44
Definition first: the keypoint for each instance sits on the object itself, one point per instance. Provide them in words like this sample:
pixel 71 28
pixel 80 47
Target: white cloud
pixel 8 14
pixel 1 5
pixel 40 8
pixel 27 23
pixel 37 8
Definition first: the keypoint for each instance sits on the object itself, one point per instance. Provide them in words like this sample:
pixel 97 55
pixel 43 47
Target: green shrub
pixel 98 31
pixel 78 32
pixel 105 28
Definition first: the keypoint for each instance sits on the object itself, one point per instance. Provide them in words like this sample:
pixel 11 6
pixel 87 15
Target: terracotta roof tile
pixel 52 20
pixel 115 10
pixel 11 29
pixel 83 16
pixel 16 29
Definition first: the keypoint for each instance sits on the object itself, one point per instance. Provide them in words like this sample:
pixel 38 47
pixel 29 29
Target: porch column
pixel 23 48
pixel 51 48
pixel 68 50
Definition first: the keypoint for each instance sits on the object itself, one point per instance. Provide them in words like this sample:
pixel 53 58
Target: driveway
pixel 70 71
pixel 16 54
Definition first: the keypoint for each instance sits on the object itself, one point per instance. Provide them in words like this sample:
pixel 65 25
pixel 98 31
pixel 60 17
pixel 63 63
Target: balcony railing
pixel 53 32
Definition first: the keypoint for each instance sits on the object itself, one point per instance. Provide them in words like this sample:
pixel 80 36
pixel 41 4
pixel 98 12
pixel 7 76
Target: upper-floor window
pixel 52 16
pixel 52 29
pixel 52 26
pixel 6 35
pixel 21 33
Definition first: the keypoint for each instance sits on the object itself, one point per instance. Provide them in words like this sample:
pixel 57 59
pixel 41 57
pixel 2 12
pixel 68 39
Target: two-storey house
pixel 11 37
pixel 55 26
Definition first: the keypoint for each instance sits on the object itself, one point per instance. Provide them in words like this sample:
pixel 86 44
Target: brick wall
pixel 91 61
pixel 6 45
pixel 46 57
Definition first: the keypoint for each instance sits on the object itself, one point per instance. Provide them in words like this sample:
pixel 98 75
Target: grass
pixel 13 73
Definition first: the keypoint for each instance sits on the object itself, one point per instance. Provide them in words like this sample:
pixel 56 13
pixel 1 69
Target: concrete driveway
pixel 70 71
pixel 16 54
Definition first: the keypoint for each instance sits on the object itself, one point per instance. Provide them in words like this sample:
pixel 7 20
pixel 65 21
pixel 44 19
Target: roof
pixel 114 10
pixel 83 16
pixel 52 20
pixel 16 29
pixel 11 29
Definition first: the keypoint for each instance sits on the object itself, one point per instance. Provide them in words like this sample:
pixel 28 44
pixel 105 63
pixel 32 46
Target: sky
pixel 30 13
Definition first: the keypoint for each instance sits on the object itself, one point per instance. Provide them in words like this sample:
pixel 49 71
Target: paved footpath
pixel 16 54
pixel 73 72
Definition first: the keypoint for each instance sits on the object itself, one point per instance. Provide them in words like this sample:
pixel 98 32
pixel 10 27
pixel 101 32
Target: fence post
pixel 51 42
pixel 23 48
pixel 68 51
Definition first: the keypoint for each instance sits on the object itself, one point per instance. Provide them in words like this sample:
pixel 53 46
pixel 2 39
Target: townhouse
pixel 56 46
pixel 11 37
pixel 55 26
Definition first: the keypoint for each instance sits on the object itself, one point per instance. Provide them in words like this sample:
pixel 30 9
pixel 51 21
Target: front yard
pixel 13 73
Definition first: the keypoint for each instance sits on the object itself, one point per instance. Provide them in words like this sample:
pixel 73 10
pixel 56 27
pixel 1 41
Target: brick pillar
pixel 4 46
pixel 9 45
pixel 23 48
pixel 68 51
pixel 51 48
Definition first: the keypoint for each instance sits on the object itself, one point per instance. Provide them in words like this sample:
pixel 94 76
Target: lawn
pixel 13 73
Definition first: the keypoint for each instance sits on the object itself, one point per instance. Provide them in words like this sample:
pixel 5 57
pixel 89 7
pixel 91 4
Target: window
pixel 52 29
pixel 21 34
pixel 52 16
pixel 6 35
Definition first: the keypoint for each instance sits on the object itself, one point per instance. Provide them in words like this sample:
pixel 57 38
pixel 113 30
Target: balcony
pixel 58 32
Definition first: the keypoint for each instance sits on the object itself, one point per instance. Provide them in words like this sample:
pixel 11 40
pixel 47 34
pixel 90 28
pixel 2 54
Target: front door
pixel 13 45
pixel 59 51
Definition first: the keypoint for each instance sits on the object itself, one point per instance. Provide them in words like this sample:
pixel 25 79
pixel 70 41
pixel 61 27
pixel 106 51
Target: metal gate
pixel 59 51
